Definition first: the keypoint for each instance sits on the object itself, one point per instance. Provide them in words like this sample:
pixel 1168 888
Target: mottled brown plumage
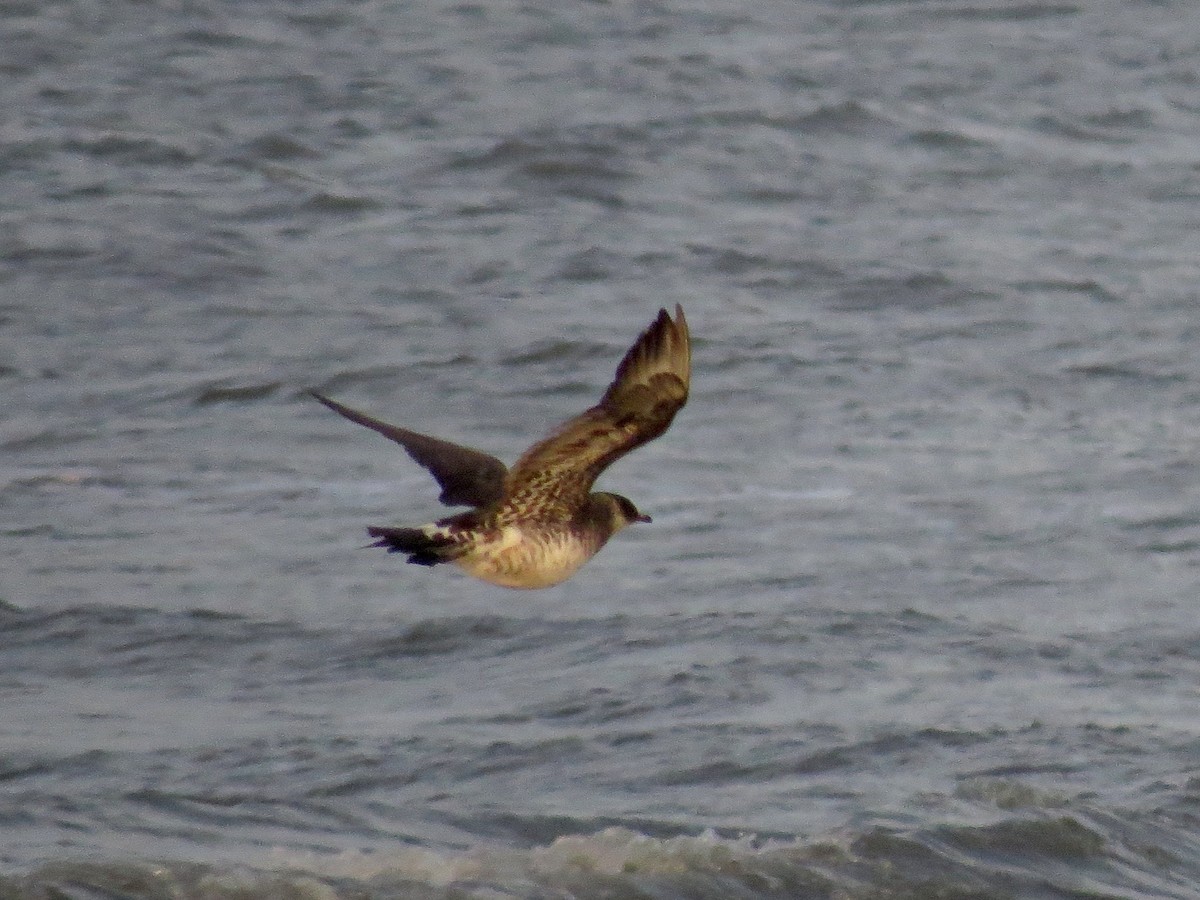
pixel 535 525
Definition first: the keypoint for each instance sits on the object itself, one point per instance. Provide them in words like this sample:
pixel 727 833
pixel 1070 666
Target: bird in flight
pixel 534 525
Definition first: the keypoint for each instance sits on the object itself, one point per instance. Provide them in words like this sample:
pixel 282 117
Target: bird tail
pixel 424 546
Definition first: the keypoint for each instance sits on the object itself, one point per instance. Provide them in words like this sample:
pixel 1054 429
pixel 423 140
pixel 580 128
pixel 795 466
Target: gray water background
pixel 925 540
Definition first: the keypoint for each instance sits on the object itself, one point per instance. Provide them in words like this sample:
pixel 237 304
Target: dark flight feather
pixel 467 477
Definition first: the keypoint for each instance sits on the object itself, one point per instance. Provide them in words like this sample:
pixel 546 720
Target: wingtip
pixel 663 348
pixel 681 321
pixel 679 327
pixel 665 318
pixel 331 404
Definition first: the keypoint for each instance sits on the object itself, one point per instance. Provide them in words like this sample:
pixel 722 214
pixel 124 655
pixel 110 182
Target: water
pixel 916 613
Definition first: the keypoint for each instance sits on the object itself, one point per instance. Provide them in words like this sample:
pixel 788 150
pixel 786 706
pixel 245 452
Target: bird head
pixel 621 511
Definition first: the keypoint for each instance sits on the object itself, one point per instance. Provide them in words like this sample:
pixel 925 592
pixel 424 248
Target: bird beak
pixel 643 518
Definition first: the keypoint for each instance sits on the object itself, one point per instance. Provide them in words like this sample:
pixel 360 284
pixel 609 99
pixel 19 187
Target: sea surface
pixel 919 612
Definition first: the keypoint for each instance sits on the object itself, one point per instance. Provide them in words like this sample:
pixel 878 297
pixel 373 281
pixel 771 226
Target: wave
pixel 1041 854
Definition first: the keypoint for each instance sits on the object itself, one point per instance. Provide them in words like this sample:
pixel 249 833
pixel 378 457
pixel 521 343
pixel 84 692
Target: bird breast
pixel 511 557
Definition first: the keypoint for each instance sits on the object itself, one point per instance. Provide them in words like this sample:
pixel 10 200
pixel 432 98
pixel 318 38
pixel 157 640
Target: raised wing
pixel 650 387
pixel 467 477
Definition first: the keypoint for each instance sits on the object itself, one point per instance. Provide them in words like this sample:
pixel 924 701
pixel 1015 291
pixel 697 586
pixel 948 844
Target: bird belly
pixel 514 559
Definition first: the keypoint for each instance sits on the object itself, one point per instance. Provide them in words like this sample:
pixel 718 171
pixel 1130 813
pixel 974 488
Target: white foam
pixel 611 851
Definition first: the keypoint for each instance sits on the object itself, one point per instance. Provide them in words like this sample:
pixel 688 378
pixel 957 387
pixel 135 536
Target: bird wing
pixel 467 477
pixel 650 387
